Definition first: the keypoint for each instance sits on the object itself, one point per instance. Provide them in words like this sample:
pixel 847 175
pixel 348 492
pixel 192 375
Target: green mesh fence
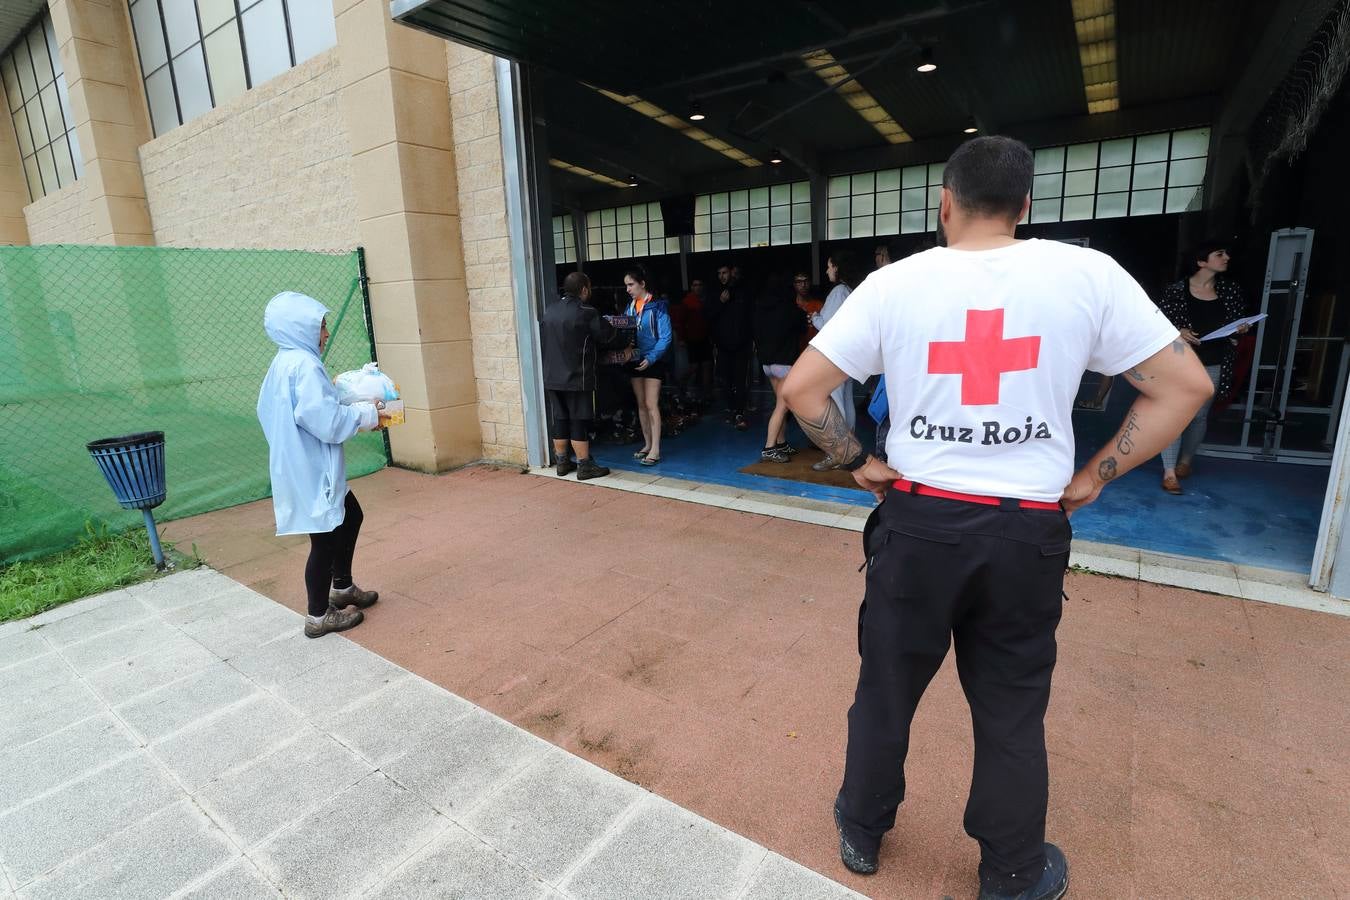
pixel 98 342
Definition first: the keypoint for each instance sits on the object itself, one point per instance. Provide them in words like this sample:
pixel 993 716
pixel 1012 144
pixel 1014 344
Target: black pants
pixel 733 370
pixel 330 558
pixel 992 579
pixel 571 413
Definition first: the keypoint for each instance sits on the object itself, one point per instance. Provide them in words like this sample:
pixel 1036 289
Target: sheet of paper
pixel 1232 327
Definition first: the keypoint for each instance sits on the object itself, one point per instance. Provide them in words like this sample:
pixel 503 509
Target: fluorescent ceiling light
pixel 675 123
pixel 823 63
pixel 1095 23
pixel 587 173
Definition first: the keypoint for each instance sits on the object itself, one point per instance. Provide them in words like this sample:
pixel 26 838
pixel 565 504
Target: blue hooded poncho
pixel 304 423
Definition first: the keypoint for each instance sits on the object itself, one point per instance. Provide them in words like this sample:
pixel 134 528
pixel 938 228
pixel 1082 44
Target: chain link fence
pixel 97 342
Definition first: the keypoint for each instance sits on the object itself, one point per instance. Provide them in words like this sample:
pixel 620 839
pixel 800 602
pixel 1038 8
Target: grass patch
pixel 101 561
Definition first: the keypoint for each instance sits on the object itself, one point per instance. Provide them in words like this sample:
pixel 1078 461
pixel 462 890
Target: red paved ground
pixel 1197 742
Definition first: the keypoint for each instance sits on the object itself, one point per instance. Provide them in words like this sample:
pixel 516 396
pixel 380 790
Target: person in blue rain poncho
pixel 306 425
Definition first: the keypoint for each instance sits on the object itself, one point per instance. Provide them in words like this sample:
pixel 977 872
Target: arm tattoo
pixel 1178 347
pixel 831 433
pixel 1107 469
pixel 1136 375
pixel 1125 441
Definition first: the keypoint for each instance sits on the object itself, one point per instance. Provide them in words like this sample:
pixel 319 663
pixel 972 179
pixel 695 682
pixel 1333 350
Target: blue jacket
pixel 653 332
pixel 304 422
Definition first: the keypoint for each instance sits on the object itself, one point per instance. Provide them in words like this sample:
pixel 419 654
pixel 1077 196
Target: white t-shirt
pixel 983 353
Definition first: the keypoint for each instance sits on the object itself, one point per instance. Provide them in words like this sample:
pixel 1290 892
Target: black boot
pixel 566 466
pixel 588 469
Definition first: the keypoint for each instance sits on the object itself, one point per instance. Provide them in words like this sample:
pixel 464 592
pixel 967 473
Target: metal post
pixel 155 549
pixel 364 281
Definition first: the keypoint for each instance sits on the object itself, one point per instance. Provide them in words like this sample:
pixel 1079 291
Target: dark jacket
pixel 779 325
pixel 570 333
pixel 731 323
pixel 1174 306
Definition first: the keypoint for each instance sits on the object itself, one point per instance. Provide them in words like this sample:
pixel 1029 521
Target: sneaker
pixel 856 860
pixel 588 468
pixel 773 454
pixel 1171 485
pixel 741 424
pixel 352 596
pixel 566 467
pixel 1053 883
pixel 825 465
pixel 334 620
pixel 1183 470
pixel 786 448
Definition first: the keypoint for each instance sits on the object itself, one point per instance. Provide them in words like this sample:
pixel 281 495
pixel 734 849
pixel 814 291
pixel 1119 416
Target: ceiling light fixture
pixel 696 113
pixel 926 63
pixel 1094 22
pixel 971 127
pixel 586 173
pixel 775 158
pixel 632 181
pixel 832 72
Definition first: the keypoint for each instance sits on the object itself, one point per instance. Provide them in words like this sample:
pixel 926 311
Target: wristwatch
pixel 858 462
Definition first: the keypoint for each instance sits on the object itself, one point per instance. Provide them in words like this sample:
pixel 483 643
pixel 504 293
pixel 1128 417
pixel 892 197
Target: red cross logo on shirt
pixel 983 357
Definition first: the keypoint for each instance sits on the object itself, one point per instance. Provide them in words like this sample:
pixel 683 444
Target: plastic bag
pixel 365 383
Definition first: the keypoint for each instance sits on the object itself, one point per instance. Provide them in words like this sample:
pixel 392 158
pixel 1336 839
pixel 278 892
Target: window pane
pixel 149 38
pixel 625 232
pixel 1076 208
pixel 862 226
pixel 24 134
pixel 1183 199
pixel 52 50
pixel 1151 148
pixel 623 215
pixel 888 224
pixel 36 122
pixel 673 245
pixel 593 218
pixel 642 247
pixel 51 112
pixel 759 197
pixel 1049 159
pixel 888 202
pixel 313 29
pixel 11 83
pixel 740 218
pixel 65 168
pixel 721 222
pixel 653 213
pixel 801 234
pixel 63 97
pixel 720 202
pixel 1150 176
pixel 215 13
pixel 759 218
pixel 1186 144
pixel 1043 186
pixel 1186 172
pixel 193 94
pixel 1146 203
pixel 1112 206
pixel 801 192
pixel 626 249
pixel 888 180
pixel 607 216
pixel 1114 179
pixel 932 220
pixel 1118 153
pixel 740 200
pixel 780 235
pixel 1045 210
pixel 864 205
pixel 935 173
pixel 864 183
pixel 42 59
pixel 180 20
pixel 839 186
pixel 1079 183
pixel 780 195
pixel 912 222
pixel 701 205
pixel 702 243
pixel 265 41
pixel 935 196
pixel 1082 156
pixel 640 232
pixel 700 224
pixel 225 61
pixel 914 198
pixel 782 215
pixel 914 177
pixel 838 229
pixel 801 213
pixel 759 237
pixel 740 239
pixel 839 207
pixel 30 171
pixel 159 92
pixel 720 240
pixel 47 166
pixel 23 62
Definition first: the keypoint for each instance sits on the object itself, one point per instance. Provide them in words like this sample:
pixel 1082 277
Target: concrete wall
pixel 269 169
pixel 487 253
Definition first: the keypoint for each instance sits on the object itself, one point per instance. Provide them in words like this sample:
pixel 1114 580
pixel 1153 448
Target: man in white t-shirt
pixel 983 343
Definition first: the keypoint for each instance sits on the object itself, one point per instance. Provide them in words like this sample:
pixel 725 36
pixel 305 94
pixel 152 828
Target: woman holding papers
pixel 1197 305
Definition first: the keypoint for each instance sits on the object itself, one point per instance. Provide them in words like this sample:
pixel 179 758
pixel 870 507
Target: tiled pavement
pixel 183 739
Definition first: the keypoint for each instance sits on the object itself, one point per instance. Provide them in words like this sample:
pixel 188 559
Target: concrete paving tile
pixel 21 645
pixel 286 658
pixel 1105 565
pixel 548 815
pixel 230 630
pixel 1212 582
pixel 145 636
pixel 387 822
pixel 150 859
pixel 665 851
pixel 1297 597
pixel 240 880
pixel 460 866
pixel 42 835
pixel 1188 564
pixel 232 604
pixel 340 681
pixel 778 878
pixel 123 680
pixel 383 726
pixel 174 707
pixel 458 767
pixel 205 750
pixel 40 696
pixel 84 619
pixel 57 758
pixel 182 589
pixel 254 802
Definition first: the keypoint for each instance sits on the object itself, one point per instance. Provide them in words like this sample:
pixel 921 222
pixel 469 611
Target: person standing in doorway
pixel 306 426
pixel 778 329
pixel 840 269
pixel 983 343
pixel 731 319
pixel 807 302
pixel 1203 302
pixel 699 350
pixel 571 331
pixel 649 367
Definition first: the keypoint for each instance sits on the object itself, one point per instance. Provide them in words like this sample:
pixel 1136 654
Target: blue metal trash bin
pixel 133 466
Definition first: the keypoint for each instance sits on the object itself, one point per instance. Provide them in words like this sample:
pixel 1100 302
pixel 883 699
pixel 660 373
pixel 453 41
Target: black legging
pixel 330 558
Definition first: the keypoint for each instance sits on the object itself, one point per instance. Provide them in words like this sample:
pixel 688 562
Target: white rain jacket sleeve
pixel 304 423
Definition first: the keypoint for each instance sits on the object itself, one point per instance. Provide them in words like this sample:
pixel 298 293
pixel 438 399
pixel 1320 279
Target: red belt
pixel 910 487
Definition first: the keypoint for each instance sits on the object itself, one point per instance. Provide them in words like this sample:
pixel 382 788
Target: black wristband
pixel 858 462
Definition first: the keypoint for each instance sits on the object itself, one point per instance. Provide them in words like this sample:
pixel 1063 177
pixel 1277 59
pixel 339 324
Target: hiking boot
pixel 1183 470
pixel 352 596
pixel 774 454
pixel 588 469
pixel 857 860
pixel 1171 485
pixel 825 465
pixel 334 620
pixel 1053 883
pixel 566 467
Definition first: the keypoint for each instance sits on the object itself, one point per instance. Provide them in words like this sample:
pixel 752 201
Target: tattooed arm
pixel 807 393
pixel 1173 386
